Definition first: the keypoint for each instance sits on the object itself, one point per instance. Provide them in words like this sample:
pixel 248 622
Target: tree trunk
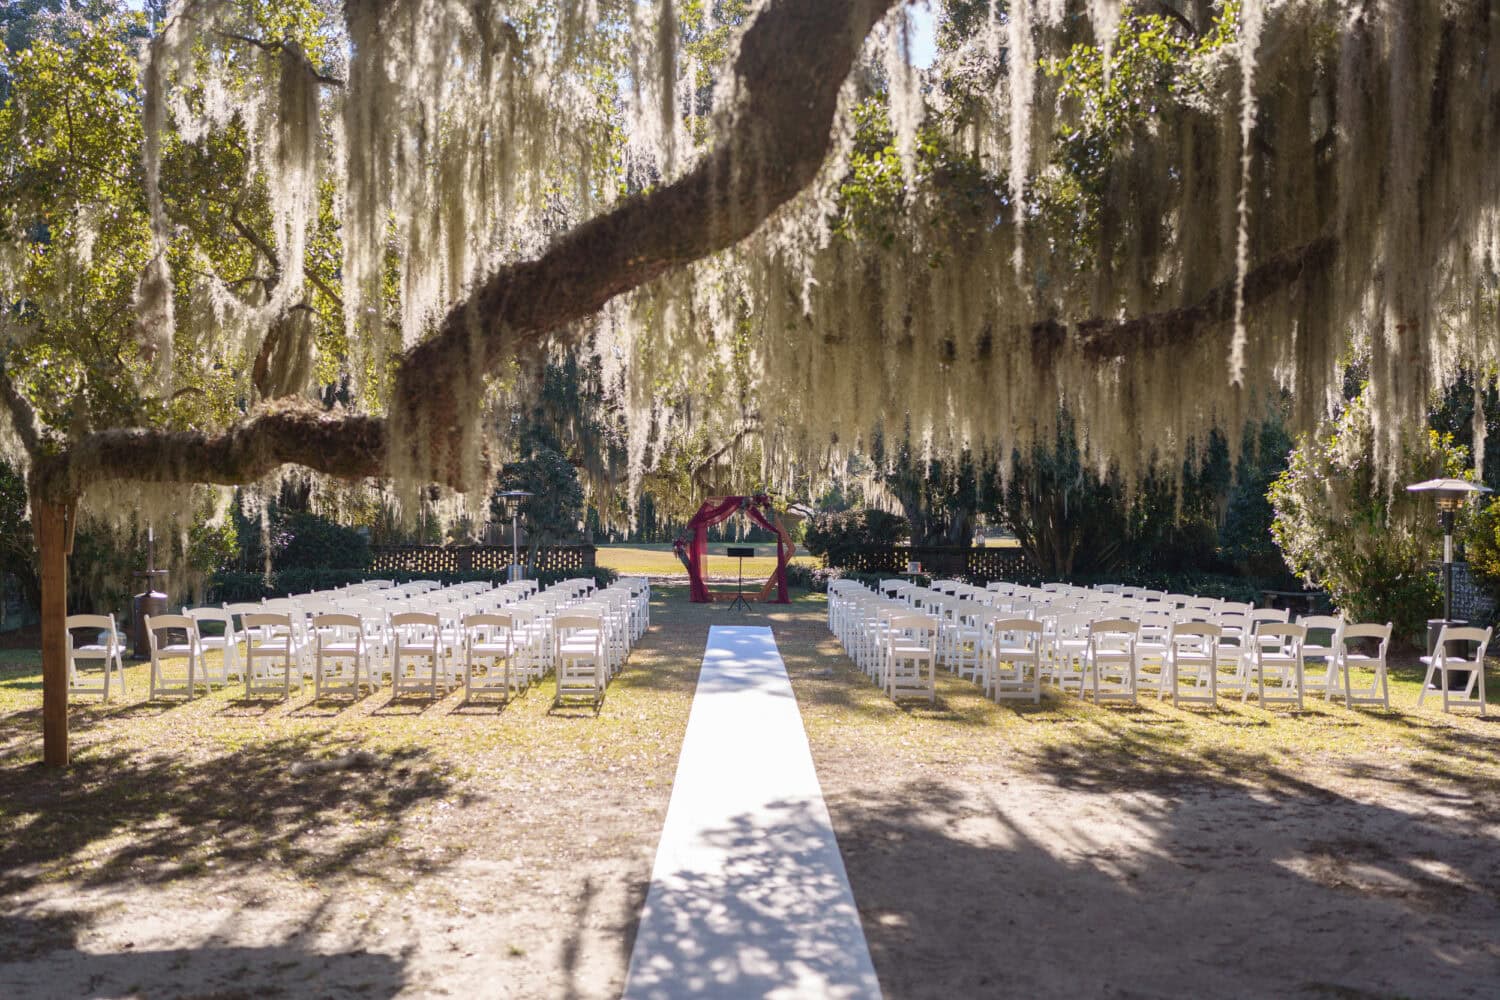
pixel 54 537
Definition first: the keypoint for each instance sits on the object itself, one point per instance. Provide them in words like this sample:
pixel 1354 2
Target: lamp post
pixel 1450 495
pixel 513 500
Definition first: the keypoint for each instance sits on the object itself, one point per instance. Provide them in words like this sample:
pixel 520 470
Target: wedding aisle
pixel 748 895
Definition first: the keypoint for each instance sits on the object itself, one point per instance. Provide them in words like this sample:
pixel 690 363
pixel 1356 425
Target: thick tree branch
pixel 350 446
pixel 22 416
pixel 792 63
pixel 1105 339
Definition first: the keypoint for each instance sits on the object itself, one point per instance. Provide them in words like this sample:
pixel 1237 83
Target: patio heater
pixel 1450 495
pixel 513 500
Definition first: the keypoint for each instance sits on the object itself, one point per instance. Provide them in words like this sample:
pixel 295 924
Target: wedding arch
pixel 692 544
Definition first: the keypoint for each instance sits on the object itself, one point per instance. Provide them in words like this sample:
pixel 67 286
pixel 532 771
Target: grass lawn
pixel 658 560
pixel 1063 849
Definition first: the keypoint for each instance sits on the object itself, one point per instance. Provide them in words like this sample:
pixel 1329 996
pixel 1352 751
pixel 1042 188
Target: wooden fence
pixel 981 565
pixel 441 559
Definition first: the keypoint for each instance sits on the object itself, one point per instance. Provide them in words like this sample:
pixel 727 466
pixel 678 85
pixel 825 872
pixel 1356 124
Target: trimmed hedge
pixel 228 587
pixel 817 580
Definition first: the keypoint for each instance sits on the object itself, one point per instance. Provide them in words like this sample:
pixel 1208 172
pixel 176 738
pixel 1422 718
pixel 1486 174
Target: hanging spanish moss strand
pixel 1322 190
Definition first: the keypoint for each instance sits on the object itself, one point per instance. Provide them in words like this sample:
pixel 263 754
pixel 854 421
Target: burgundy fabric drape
pixel 692 544
pixel 753 510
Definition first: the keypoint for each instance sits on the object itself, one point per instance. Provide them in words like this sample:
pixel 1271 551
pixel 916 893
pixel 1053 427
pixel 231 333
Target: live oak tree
pixel 423 195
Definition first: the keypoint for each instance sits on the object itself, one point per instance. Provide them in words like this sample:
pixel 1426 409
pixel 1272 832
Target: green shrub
pixel 817 580
pixel 1482 546
pixel 834 536
pixel 313 542
pixel 1341 527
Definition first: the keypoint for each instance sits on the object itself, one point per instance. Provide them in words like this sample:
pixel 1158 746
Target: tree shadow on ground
pixel 43 959
pixel 768 916
pixel 122 815
pixel 1118 865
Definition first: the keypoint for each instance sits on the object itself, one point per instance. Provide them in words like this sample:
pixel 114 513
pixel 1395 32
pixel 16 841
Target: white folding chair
pixel 911 657
pixel 103 645
pixel 165 653
pixel 225 640
pixel 273 655
pixel 1276 656
pixel 1192 656
pixel 579 658
pixel 489 648
pixel 1111 662
pixel 1352 657
pixel 1444 659
pixel 1321 652
pixel 341 661
pixel 1013 659
pixel 416 653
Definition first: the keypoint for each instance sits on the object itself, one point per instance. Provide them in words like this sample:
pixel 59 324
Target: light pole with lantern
pixel 513 499
pixel 1450 495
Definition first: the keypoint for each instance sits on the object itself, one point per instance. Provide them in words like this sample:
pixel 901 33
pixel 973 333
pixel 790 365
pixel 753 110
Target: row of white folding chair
pixel 284 642
pixel 1271 654
pixel 894 644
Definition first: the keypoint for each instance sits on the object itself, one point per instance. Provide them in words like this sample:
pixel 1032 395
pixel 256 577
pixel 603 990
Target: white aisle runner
pixel 748 895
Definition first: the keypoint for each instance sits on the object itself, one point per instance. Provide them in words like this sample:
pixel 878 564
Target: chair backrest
pixel 1366 630
pixel 216 616
pixel 1278 635
pixel 1193 636
pixel 1269 615
pixel 336 620
pixel 1456 633
pixel 407 618
pixel 488 620
pixel 578 621
pixel 266 619
pixel 906 621
pixel 98 623
pixel 162 623
pixel 1117 626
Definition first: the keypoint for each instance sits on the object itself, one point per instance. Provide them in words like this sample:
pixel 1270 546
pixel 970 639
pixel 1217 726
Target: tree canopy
pixel 339 236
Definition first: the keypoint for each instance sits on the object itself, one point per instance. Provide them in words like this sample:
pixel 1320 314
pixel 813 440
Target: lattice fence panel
pixel 440 560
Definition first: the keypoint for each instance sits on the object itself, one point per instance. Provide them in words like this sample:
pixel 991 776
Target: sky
pixel 923 36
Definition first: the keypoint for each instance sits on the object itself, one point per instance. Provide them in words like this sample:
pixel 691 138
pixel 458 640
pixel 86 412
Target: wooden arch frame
pixel 692 544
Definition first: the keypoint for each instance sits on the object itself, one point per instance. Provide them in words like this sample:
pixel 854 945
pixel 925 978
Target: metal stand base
pixel 739 591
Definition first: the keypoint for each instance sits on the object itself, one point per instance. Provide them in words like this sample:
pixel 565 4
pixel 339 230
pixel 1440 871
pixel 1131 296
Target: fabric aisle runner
pixel 748 895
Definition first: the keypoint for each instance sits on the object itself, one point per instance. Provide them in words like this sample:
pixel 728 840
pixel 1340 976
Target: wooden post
pixel 52 524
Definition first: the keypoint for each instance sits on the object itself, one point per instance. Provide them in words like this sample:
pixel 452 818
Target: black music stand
pixel 742 552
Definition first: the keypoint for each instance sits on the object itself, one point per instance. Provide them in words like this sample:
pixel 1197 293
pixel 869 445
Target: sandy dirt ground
pixel 482 852
pixel 1064 850
pixel 1037 853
